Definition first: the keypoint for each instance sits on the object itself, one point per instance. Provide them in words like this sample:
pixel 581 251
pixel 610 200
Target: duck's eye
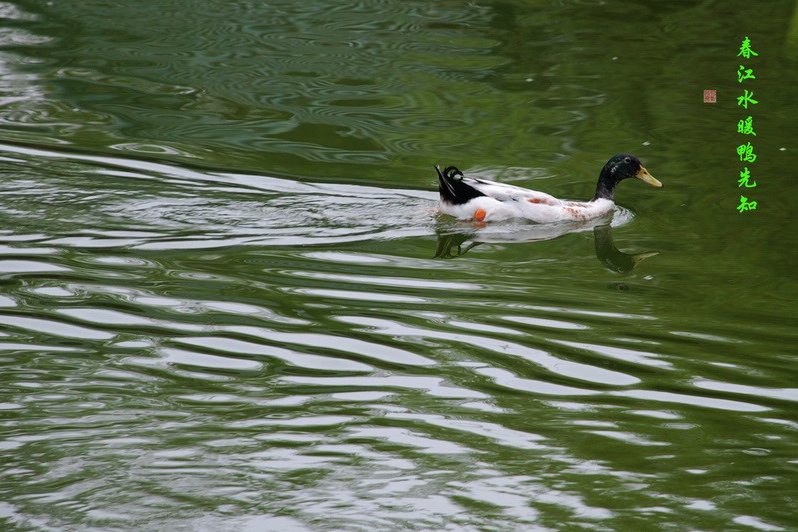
pixel 627 160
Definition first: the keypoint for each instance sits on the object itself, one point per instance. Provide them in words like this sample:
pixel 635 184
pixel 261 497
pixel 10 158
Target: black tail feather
pixel 444 183
pixel 454 190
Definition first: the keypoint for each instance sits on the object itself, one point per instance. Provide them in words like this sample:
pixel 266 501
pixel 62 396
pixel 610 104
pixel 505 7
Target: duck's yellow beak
pixel 645 177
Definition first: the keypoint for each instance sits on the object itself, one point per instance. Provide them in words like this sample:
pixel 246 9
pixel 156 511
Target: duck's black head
pixel 618 168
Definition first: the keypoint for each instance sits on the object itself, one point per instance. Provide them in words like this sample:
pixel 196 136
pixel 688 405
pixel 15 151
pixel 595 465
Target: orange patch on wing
pixel 480 215
pixel 540 200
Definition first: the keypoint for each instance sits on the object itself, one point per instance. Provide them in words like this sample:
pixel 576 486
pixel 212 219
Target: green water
pixel 227 304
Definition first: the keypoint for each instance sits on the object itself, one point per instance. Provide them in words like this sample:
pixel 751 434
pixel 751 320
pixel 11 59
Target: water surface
pixel 227 302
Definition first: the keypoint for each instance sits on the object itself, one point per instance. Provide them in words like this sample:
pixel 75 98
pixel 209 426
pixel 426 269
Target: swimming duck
pixel 469 198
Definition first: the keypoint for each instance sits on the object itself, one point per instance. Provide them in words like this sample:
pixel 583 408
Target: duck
pixel 480 200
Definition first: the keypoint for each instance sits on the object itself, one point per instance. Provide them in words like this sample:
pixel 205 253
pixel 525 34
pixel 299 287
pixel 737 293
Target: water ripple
pixel 227 303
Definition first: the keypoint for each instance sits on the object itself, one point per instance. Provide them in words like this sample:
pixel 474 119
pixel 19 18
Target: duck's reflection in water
pixel 455 241
pixel 610 256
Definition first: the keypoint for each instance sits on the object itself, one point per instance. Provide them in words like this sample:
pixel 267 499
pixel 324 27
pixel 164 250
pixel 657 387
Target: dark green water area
pixel 227 302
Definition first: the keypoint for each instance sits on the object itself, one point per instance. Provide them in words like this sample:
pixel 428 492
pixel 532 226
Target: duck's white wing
pixel 507 193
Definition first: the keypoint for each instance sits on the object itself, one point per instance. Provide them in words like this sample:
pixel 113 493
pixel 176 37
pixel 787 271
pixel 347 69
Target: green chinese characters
pixel 746 127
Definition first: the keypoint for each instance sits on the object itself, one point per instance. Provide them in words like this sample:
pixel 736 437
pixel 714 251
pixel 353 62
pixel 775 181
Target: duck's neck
pixel 605 188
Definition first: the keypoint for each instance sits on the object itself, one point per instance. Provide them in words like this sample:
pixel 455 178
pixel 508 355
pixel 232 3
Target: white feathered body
pixel 502 202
